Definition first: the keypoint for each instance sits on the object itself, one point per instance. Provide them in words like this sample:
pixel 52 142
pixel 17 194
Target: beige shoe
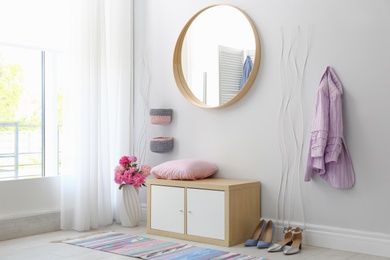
pixel 277 247
pixel 296 245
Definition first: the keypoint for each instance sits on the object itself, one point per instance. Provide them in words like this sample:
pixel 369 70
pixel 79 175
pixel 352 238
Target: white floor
pixel 49 246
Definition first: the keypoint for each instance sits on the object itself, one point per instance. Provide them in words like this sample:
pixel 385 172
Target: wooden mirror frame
pixel 178 69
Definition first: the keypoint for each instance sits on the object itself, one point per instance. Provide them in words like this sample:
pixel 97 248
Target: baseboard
pixel 29 224
pixel 357 241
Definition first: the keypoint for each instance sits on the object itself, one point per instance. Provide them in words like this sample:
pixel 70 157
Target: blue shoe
pixel 267 235
pixel 256 234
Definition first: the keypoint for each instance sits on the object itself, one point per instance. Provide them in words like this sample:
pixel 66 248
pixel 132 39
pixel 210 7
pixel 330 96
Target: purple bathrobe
pixel 328 153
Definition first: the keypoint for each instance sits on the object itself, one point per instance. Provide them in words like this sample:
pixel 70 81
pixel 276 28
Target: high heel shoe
pixel 252 241
pixel 267 235
pixel 277 247
pixel 296 242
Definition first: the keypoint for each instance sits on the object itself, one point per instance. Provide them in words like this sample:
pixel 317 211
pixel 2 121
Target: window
pixel 30 112
pixel 33 45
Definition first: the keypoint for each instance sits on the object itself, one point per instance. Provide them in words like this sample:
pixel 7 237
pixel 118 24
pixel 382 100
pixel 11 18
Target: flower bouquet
pixel 127 172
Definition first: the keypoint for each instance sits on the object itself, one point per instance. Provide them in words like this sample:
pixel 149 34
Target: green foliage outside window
pixel 11 89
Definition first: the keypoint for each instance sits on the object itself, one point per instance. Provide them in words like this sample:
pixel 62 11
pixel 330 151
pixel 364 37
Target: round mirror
pixel 217 56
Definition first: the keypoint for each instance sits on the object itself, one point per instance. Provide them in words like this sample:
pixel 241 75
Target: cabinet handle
pixel 189 211
pixel 181 210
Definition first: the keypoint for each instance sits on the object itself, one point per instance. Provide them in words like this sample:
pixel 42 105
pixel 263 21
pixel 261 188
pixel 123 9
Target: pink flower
pixel 127 177
pixel 145 169
pixel 132 159
pixel 138 180
pixel 124 161
pixel 119 169
pixel 133 169
pixel 118 178
pixel 128 173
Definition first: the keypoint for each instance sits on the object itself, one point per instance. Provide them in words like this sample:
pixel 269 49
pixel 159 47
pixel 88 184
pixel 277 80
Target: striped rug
pixel 148 248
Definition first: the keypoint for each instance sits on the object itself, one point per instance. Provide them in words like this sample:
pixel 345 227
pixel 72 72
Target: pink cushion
pixel 185 169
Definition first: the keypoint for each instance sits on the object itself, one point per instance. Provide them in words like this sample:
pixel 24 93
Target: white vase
pixel 130 211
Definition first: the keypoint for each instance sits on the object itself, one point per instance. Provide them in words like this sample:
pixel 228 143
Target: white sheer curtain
pixel 97 110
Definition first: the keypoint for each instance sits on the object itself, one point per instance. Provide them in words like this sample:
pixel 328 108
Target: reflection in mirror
pixel 215 55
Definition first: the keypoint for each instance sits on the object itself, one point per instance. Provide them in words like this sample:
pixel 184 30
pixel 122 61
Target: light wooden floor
pixel 48 246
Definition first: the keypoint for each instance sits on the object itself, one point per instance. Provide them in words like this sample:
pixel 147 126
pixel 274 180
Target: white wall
pixel 27 197
pixel 351 36
pixel 29 207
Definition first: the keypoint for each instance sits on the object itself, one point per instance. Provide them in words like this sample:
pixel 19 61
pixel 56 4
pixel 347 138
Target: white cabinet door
pixel 167 208
pixel 206 213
